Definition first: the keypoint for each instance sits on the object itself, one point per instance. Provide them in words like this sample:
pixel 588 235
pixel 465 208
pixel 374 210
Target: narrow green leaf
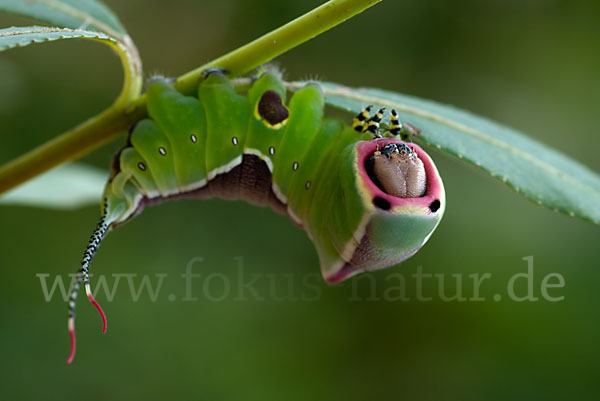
pixel 65 187
pixel 538 172
pixel 24 36
pixel 89 15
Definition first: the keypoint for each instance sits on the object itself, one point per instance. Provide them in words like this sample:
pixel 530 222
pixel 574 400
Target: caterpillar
pixel 366 200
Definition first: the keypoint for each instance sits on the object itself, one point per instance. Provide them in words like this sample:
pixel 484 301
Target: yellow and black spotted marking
pixel 360 121
pixel 373 123
pixel 395 124
pixel 363 123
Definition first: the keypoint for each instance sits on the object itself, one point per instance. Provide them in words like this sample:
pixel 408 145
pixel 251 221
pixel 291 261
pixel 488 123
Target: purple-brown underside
pixel 357 264
pixel 251 181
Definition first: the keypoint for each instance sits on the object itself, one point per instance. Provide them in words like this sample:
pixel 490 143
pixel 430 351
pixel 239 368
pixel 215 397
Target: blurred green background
pixel 533 65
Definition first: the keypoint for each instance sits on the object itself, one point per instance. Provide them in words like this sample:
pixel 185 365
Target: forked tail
pixel 83 277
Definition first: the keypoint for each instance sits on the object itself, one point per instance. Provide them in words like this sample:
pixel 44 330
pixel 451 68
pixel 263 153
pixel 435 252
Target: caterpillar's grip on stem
pixel 366 201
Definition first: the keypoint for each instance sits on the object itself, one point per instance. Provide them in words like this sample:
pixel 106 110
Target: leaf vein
pixel 348 93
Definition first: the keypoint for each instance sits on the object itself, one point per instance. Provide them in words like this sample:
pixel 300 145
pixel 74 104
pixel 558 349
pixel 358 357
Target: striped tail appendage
pixel 83 277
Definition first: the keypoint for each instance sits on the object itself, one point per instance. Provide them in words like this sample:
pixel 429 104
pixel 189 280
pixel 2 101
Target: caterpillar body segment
pixel 316 158
pixel 365 201
pixel 183 120
pixel 303 127
pixel 269 117
pixel 227 114
pixel 154 147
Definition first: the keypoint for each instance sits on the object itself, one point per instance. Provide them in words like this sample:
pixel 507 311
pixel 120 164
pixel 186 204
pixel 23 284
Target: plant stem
pixel 119 117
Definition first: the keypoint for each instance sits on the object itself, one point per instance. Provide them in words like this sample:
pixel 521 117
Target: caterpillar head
pixel 403 201
pixel 398 171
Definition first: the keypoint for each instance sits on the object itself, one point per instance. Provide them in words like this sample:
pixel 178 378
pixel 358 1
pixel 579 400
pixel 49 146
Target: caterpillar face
pixel 399 171
pixel 365 201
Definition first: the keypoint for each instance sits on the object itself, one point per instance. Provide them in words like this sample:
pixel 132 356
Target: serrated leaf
pixel 88 15
pixel 85 19
pixel 538 172
pixel 65 187
pixel 24 36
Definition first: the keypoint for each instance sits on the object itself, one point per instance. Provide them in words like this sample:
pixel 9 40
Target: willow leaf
pixel 65 187
pixel 89 15
pixel 84 16
pixel 538 172
pixel 24 36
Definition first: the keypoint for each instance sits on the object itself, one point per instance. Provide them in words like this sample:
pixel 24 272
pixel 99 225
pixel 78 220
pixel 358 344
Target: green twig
pixel 120 116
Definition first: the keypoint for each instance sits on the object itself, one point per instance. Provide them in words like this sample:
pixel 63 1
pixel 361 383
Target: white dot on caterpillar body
pixel 234 140
pixel 271 150
pixel 193 138
pixel 307 184
pixel 295 166
pixel 162 151
pixel 142 166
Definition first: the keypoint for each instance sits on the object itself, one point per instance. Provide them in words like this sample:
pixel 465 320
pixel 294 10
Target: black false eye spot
pixel 381 203
pixel 271 108
pixel 434 206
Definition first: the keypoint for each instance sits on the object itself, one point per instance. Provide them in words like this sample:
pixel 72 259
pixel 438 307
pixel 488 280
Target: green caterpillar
pixel 365 201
